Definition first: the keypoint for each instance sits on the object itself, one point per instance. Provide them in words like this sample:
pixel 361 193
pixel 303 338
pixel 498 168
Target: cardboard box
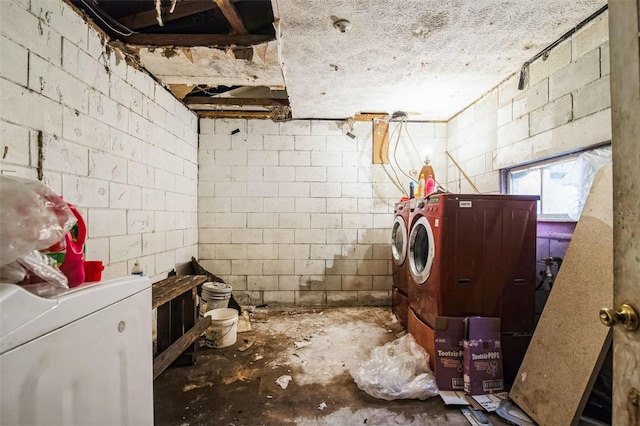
pixel 482 356
pixel 448 351
pixel 422 333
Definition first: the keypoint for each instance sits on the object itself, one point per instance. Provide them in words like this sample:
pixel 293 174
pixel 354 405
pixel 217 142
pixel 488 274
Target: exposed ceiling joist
pixel 260 115
pixel 207 100
pixel 148 18
pixel 229 11
pixel 192 40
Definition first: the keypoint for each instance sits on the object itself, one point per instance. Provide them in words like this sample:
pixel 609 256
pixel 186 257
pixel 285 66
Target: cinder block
pixel 342 174
pixel 279 297
pixel 262 220
pixel 295 127
pixel 106 223
pixel 356 282
pixel 282 268
pixel 207 127
pixel 513 154
pixel 530 99
pixel 488 183
pixel 341 267
pixel 355 190
pixel 382 220
pixel 357 220
pixel 323 190
pixel 165 262
pixel 263 127
pixel 373 236
pixel 342 205
pixel 604 59
pixel 372 267
pixel 309 236
pixel 508 89
pixel 248 267
pixel 279 236
pixel 231 189
pixel 323 282
pixel 309 143
pixel 262 158
pixel 578 74
pixel 85 68
pixel 279 174
pixel 217 267
pixel 296 190
pixel 246 236
pixel 375 205
pixel 589 130
pixel 231 220
pixel 294 220
pixel 263 251
pixel 278 143
pixel 294 251
pixel 165 221
pixel 590 36
pixel 98 249
pixel 342 298
pixel 594 97
pixel 295 158
pixel 278 204
pixel 309 267
pixel 382 282
pixel 13 61
pixel 27 30
pixel 125 247
pixel 322 251
pixel 374 298
pixel 342 236
pixel 358 252
pixel 225 126
pixel 231 251
pixel 60 155
pixel 164 180
pixel 552 115
pixel 106 166
pixel 49 116
pixel 514 131
pixel 15 144
pixel 311 174
pixel 327 127
pixel 231 158
pixel 289 282
pixel 262 189
pixel 311 298
pixel 124 196
pixel 311 205
pixel 175 239
pixel 559 57
pixel 152 199
pixel 326 220
pixel 85 192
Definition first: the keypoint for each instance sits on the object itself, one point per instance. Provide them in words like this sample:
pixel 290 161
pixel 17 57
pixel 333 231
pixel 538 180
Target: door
pixel 624 24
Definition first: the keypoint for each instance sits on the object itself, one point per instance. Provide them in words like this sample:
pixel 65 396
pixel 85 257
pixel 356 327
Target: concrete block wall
pixel 565 105
pixel 296 213
pixel 115 143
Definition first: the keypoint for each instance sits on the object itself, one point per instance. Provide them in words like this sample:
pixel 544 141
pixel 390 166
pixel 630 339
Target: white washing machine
pixel 83 357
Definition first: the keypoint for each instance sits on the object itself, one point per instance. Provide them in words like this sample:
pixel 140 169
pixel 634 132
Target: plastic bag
pixel 397 370
pixel 581 177
pixel 33 218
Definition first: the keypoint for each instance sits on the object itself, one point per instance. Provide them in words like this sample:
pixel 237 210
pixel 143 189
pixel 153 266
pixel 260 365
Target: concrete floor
pixel 317 348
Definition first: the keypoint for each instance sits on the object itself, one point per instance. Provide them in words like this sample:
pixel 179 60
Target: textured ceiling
pixel 429 58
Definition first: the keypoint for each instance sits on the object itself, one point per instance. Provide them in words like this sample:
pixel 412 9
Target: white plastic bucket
pixel 223 331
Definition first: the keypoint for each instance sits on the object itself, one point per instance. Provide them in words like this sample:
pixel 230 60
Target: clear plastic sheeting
pixel 33 218
pixel 581 177
pixel 397 370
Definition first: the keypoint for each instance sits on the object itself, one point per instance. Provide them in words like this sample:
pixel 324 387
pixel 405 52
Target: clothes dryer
pixel 473 255
pixel 399 250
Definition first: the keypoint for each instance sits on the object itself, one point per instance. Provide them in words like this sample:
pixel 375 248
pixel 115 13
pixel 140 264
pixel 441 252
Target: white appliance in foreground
pixel 83 357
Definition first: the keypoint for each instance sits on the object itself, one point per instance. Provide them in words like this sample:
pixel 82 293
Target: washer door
pixel 399 240
pixel 421 250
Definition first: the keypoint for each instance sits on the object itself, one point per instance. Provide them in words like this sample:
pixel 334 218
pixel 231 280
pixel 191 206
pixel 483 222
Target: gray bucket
pixel 215 295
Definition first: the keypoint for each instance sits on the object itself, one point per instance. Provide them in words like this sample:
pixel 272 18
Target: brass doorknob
pixel 625 315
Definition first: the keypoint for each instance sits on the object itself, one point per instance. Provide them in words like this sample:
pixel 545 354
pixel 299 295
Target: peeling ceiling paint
pixel 429 58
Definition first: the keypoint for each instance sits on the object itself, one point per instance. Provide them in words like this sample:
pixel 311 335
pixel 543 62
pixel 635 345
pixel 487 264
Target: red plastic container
pixel 93 271
pixel 73 263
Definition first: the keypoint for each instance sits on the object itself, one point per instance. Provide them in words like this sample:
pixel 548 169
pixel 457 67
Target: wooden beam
pixel 169 288
pixel 231 13
pixel 194 40
pixel 162 361
pixel 257 115
pixel 148 18
pixel 368 116
pixel 380 141
pixel 208 100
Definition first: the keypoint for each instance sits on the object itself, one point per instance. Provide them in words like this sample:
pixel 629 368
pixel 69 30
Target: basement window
pixel 562 182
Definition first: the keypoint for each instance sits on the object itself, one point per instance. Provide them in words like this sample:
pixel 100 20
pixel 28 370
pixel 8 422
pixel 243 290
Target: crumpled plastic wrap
pixel 581 177
pixel 397 370
pixel 33 217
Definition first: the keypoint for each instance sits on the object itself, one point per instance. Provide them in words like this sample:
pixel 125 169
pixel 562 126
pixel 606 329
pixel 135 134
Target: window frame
pixel 540 163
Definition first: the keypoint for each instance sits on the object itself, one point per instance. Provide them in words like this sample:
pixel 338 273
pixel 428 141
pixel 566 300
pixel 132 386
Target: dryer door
pixel 399 241
pixel 421 250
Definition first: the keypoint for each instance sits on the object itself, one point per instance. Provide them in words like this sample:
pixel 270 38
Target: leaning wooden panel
pixel 569 344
